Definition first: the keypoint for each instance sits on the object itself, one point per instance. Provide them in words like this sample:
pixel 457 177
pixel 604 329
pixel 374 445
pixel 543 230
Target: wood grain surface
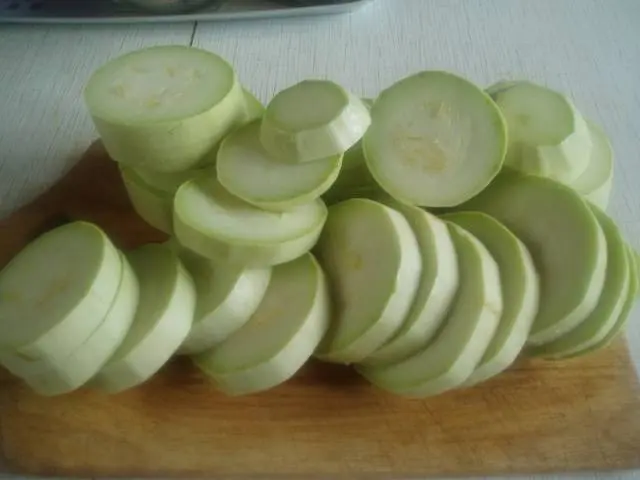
pixel 537 417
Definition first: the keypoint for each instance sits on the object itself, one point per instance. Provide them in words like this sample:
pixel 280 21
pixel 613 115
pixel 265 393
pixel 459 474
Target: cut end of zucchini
pixel 437 287
pixel 547 135
pixel 162 320
pixel 154 206
pixel 536 115
pixel 84 362
pixel 246 170
pixel 452 356
pixel 567 245
pixel 280 336
pixel 253 107
pixel 167 183
pixel 373 292
pixel 435 140
pixel 312 120
pixel 57 289
pixel 227 297
pixel 597 180
pixel 217 225
pixel 159 84
pixel 593 329
pixel 520 291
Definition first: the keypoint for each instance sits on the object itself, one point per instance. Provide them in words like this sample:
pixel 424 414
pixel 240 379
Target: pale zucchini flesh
pixel 627 309
pixel 435 140
pixel 85 362
pixel 56 291
pixel 437 287
pixel 373 262
pixel 162 321
pixel 217 225
pixel 547 135
pixel 452 356
pixel 246 170
pixel 164 108
pixel 165 183
pixel 281 335
pixel 564 238
pixel 355 179
pixel 253 107
pixel 152 205
pixel 596 181
pixel 227 297
pixel 520 291
pixel 610 304
pixel 313 120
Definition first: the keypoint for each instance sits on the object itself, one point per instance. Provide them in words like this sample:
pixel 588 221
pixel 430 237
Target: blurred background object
pixel 105 11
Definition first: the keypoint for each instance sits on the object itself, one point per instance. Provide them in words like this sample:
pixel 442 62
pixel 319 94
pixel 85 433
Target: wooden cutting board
pixel 539 416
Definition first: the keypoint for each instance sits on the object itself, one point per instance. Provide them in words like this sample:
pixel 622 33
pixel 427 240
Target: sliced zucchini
pixel 219 226
pixel 354 180
pixel 162 321
pixel 520 291
pixel 458 348
pixel 164 108
pixel 247 171
pixel 435 140
pixel 438 284
pixel 373 261
pixel 610 304
pixel 597 180
pixel 55 292
pixel 165 183
pixel 253 107
pixel 281 335
pixel 86 361
pixel 547 135
pixel 312 120
pixel 565 240
pixel 621 321
pixel 154 206
pixel 227 297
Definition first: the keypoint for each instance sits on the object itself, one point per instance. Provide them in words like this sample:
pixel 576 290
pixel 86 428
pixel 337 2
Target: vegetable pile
pixel 427 237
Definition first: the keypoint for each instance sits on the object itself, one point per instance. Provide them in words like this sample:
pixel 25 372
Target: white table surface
pixel 589 49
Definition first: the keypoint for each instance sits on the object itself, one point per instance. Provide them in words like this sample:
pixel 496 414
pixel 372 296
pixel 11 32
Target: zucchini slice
pixel 165 183
pixel 217 225
pixel 246 170
pixel 610 304
pixel 162 321
pixel 437 287
pixel 520 291
pixel 253 107
pixel 227 297
pixel 435 140
pixel 55 292
pixel 456 351
pixel 547 135
pixel 280 336
pixel 597 180
pixel 564 238
pixel 313 120
pixel 154 206
pixel 86 361
pixel 164 108
pixel 373 262
pixel 621 321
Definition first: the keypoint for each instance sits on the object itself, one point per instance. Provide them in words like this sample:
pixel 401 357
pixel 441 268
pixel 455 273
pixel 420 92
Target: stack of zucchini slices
pixel 428 237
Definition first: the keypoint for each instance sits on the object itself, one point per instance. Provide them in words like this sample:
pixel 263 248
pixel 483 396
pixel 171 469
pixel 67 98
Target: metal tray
pixel 110 11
